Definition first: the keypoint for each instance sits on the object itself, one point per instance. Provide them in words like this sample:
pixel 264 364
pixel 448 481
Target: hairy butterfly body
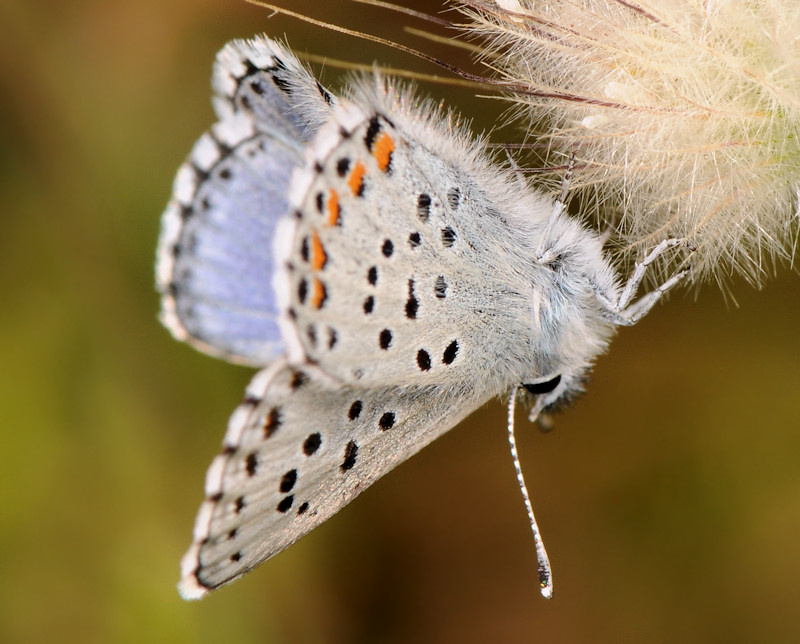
pixel 388 276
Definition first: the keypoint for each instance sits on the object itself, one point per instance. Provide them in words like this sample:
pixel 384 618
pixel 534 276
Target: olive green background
pixel 669 496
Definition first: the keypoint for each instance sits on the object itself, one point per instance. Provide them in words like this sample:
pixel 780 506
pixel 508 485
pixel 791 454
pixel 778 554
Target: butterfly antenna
pixel 545 575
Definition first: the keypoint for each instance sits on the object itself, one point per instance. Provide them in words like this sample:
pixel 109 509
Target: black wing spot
pixel 454 197
pixel 372 132
pixel 202 175
pixel 414 240
pixel 412 304
pixel 311 333
pixel 251 68
pixel 236 556
pixel 388 248
pixel 372 275
pixel 288 481
pixel 188 211
pixel 369 305
pixel 304 251
pixel 387 421
pixel 252 464
pixel 257 88
pixel 286 504
pixel 303 508
pixel 342 166
pixel 298 380
pixel 450 352
pixel 355 410
pixel 272 422
pixel 240 504
pixel 440 287
pixel 302 290
pixel 448 237
pixel 423 360
pixel 332 337
pixel 350 454
pixel 312 444
pixel 385 339
pixel 424 206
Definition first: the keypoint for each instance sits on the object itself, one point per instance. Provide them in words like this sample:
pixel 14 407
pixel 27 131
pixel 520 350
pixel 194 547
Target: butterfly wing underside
pixel 297 450
pixel 391 270
pixel 215 258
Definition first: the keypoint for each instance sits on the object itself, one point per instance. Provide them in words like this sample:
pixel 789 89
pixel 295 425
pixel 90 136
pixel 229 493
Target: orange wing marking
pixel 356 179
pixel 318 294
pixel 318 255
pixel 382 151
pixel 333 207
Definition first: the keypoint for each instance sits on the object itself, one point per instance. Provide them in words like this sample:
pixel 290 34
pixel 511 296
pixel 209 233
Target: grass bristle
pixel 683 116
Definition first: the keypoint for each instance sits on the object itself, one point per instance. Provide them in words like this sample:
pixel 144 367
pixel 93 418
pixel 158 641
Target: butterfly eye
pixel 542 387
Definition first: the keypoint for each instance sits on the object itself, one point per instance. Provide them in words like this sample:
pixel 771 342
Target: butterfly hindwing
pixel 298 449
pixel 391 253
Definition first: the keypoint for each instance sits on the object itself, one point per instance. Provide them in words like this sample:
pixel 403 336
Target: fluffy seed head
pixel 683 116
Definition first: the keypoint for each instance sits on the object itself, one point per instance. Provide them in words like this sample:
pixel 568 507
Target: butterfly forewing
pixel 215 259
pixel 266 81
pixel 298 449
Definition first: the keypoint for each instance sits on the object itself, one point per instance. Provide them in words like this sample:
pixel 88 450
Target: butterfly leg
pixel 620 309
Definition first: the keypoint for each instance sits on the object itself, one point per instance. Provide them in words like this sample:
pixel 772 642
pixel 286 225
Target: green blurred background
pixel 669 497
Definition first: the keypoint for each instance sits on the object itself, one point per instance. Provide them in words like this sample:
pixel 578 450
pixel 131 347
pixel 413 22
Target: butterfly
pixel 387 276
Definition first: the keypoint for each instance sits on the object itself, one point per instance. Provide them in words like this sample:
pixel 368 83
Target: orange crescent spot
pixel 318 255
pixel 356 179
pixel 318 294
pixel 333 207
pixel 382 151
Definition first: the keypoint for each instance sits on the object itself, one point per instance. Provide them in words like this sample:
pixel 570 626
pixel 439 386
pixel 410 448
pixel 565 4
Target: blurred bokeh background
pixel 669 496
